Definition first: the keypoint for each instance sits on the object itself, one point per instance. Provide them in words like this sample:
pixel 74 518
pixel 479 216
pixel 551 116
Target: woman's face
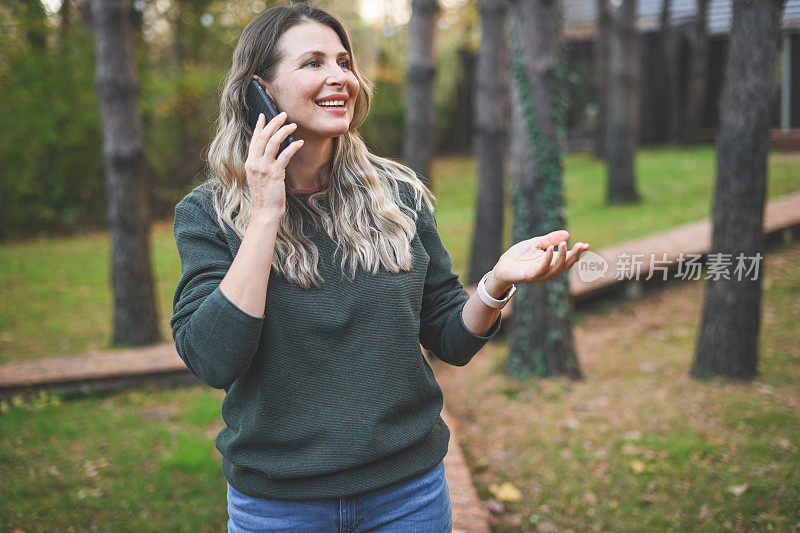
pixel 314 66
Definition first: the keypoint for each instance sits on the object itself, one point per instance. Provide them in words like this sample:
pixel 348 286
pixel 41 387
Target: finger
pixel 254 139
pixel 275 141
pixel 552 238
pixel 562 254
pixel 558 267
pixel 574 255
pixel 544 267
pixel 287 154
pixel 262 135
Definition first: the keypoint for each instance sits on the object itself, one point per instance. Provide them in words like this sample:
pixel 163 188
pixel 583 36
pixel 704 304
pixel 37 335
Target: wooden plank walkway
pixel 72 374
pixel 781 221
pixel 778 138
pixel 108 371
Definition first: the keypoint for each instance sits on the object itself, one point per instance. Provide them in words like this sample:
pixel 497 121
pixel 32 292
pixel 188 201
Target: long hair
pixel 368 221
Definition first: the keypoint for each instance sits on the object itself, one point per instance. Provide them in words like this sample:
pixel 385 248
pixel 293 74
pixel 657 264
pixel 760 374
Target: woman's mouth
pixel 330 103
pixel 334 106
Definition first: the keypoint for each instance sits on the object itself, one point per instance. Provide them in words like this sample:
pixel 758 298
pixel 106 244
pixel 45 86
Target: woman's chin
pixel 329 132
pixel 336 132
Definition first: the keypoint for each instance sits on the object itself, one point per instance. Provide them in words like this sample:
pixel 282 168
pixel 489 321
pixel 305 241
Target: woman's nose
pixel 337 76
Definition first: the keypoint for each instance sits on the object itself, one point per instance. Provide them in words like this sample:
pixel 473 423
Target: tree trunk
pixel 602 74
pixel 698 71
pixel 635 51
pixel 463 127
pixel 491 137
pixel 419 128
pixel 669 73
pixel 621 134
pixel 728 339
pixel 540 340
pixel 135 317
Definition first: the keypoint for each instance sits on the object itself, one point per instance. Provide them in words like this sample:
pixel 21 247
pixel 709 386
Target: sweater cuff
pixel 469 342
pixel 233 309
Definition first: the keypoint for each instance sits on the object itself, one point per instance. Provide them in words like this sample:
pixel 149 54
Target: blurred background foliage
pixel 51 170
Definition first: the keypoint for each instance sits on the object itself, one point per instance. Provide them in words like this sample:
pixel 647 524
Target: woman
pixel 309 280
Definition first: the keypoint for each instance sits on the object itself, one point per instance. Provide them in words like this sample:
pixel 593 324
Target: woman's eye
pixel 316 63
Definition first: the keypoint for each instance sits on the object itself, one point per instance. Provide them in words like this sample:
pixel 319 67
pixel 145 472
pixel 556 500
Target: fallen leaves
pixel 505 492
pixel 736 490
pixel 638 466
pixel 494 506
pixel 600 469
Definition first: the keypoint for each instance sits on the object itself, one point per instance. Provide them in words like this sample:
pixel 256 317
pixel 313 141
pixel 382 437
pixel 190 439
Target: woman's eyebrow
pixel 320 53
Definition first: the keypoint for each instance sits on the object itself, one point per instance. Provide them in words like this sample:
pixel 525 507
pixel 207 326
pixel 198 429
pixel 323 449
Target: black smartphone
pixel 259 102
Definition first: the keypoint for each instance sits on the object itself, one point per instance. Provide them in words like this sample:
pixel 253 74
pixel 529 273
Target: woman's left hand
pixel 532 259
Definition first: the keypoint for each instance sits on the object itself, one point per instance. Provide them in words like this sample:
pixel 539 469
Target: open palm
pixel 532 259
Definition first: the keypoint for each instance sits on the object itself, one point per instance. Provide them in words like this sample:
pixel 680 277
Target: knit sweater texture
pixel 328 394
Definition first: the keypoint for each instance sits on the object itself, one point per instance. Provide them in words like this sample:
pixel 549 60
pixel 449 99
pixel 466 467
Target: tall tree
pixel 462 128
pixel 541 341
pixel 491 138
pixel 728 339
pixel 622 100
pixel 668 50
pixel 419 128
pixel 698 71
pixel 135 317
pixel 602 46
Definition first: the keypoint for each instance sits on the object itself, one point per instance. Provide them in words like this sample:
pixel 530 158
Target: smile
pixel 340 110
pixel 331 103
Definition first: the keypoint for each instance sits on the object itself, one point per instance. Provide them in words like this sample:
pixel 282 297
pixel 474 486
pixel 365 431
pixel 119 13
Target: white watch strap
pixel 488 300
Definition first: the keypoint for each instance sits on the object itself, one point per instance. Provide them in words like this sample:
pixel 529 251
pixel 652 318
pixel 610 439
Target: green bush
pixel 50 140
pixel 383 129
pixel 178 115
pixel 51 167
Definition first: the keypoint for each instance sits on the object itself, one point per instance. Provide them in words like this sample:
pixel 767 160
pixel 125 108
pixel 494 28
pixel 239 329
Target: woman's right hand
pixel 266 173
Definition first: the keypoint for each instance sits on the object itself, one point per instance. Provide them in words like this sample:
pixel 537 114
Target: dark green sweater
pixel 328 394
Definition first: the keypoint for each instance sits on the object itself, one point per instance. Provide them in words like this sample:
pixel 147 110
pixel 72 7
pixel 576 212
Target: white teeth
pixel 332 103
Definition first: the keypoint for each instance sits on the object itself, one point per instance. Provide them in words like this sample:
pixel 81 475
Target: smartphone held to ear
pixel 258 102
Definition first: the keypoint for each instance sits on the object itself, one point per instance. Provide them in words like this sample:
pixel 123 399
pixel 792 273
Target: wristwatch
pixel 488 300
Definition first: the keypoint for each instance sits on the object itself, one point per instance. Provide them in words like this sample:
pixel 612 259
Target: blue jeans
pixel 420 504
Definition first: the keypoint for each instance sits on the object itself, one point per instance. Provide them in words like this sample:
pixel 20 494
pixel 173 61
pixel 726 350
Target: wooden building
pixel 580 30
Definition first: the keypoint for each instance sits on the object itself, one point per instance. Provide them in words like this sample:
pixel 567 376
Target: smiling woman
pixel 314 72
pixel 303 59
pixel 332 414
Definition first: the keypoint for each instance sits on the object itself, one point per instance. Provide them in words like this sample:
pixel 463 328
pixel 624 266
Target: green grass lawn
pixel 636 446
pixel 56 292
pixel 676 185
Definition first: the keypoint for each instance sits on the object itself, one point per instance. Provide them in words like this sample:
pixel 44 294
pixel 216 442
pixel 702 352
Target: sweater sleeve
pixel 215 338
pixel 442 328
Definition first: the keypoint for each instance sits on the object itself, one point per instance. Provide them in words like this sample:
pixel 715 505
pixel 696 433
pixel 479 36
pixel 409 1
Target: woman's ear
pixel 263 84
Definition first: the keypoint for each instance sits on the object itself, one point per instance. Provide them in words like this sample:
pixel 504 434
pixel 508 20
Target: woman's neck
pixel 305 165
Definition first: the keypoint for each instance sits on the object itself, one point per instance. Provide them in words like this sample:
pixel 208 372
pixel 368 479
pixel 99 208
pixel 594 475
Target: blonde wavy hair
pixel 368 220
